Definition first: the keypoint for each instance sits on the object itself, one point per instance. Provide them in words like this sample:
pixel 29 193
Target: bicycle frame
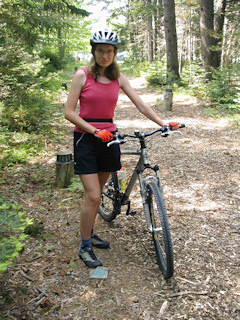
pixel 141 165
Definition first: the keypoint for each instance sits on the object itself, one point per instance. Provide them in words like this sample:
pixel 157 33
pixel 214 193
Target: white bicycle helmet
pixel 105 37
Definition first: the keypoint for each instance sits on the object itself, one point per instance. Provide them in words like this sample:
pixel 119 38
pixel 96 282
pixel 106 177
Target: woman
pixel 97 87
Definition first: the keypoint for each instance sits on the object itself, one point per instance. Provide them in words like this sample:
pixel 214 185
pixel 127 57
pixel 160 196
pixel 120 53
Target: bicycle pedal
pixel 131 213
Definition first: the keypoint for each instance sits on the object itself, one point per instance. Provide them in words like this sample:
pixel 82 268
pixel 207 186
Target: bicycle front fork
pixel 144 194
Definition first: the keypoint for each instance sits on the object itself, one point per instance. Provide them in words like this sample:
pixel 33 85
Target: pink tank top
pixel 98 101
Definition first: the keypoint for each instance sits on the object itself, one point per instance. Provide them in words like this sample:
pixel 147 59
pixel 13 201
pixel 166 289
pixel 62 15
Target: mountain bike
pixel 113 199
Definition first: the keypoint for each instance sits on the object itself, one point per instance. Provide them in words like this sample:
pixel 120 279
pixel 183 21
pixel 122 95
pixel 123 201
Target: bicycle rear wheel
pixel 161 231
pixel 110 203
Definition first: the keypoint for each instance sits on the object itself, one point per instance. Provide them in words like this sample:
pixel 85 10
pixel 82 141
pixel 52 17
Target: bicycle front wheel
pixel 161 231
pixel 110 203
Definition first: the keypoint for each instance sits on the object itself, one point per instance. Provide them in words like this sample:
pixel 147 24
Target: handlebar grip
pixel 173 124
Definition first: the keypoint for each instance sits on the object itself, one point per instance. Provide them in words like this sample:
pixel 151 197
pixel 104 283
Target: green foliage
pixel 235 119
pixel 75 185
pixel 222 92
pixel 233 115
pixel 33 115
pixel 12 236
pixel 134 68
pixel 26 94
pixel 34 43
pixel 193 80
pixel 21 21
pixel 20 147
pixel 25 105
pixel 156 74
pixel 28 21
pixel 224 88
pixel 192 72
pixel 52 59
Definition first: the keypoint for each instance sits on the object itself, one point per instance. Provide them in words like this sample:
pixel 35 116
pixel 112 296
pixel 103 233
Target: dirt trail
pixel 200 176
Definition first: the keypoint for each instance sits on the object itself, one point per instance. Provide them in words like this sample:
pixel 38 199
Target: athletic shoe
pixel 88 257
pixel 99 243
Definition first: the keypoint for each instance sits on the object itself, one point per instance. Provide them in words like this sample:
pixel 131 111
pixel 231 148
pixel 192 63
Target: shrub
pixel 156 74
pixel 52 59
pixel 134 68
pixel 19 147
pixel 224 89
pixel 29 112
pixel 25 105
pixel 12 236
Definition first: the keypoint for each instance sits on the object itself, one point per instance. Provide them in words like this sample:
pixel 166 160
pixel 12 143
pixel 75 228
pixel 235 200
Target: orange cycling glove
pixel 173 124
pixel 104 135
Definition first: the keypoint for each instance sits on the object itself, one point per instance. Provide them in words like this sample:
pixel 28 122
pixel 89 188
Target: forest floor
pixel 200 177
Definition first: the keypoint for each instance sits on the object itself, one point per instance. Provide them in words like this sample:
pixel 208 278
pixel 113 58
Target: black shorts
pixel 91 155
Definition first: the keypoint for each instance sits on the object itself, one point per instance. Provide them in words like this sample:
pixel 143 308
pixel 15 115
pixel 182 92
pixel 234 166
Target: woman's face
pixel 104 55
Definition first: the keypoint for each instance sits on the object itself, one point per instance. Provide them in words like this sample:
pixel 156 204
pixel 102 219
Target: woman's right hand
pixel 104 135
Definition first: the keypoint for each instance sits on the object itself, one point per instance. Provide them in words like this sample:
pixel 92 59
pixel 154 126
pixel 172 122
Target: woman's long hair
pixel 112 72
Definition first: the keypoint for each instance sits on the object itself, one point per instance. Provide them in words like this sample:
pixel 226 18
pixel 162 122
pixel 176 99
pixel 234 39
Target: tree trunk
pixel 61 47
pixel 149 32
pixel 158 29
pixel 131 27
pixel 171 39
pixel 218 28
pixel 207 40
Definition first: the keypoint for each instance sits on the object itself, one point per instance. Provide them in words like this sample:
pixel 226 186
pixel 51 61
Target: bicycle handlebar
pixel 165 131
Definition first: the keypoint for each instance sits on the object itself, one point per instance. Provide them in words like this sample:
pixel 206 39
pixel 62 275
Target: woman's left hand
pixel 174 125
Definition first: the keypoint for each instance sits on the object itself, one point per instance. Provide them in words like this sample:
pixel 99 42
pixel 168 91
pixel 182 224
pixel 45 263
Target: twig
pixel 35 258
pixel 184 293
pixel 25 276
pixel 117 300
pixel 163 308
pixel 34 300
pixel 39 302
pixel 37 290
pixel 189 281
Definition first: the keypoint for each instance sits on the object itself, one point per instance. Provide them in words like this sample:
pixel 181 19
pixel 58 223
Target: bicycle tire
pixel 110 204
pixel 161 232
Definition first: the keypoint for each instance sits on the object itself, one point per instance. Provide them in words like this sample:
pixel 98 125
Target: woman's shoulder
pixel 81 72
pixel 122 80
pixel 80 77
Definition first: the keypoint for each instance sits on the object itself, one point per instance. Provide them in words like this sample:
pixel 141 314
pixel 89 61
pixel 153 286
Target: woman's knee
pixel 93 198
pixel 91 189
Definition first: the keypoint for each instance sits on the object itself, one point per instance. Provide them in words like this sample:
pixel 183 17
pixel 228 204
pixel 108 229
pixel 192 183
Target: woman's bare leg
pixel 93 184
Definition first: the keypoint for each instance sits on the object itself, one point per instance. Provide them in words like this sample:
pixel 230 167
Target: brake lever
pixel 113 142
pixel 168 131
pixel 117 141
